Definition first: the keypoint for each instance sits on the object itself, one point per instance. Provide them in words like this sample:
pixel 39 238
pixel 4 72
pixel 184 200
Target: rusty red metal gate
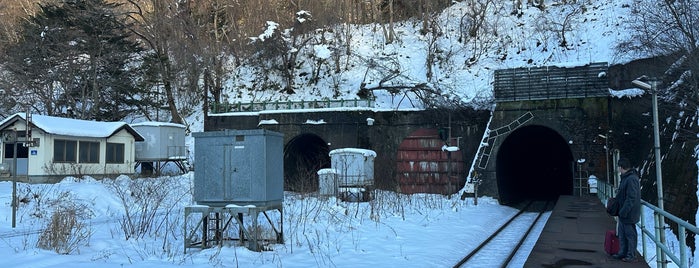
pixel 424 167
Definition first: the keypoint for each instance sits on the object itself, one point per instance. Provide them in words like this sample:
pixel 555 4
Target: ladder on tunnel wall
pixel 488 142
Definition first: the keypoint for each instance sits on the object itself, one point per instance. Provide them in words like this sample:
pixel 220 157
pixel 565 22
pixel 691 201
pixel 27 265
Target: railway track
pixel 502 245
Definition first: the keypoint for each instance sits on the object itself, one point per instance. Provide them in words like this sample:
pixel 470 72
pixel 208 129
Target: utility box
pixel 162 141
pixel 239 167
pixel 327 182
pixel 355 166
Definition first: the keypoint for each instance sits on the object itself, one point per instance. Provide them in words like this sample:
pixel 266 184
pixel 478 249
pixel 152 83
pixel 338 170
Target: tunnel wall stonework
pixel 578 121
pixel 349 129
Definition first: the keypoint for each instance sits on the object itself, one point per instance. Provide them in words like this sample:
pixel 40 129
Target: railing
pixel 605 190
pixel 176 152
pixel 289 105
pixel 581 187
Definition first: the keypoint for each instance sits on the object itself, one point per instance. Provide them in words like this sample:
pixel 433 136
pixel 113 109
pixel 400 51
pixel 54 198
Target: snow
pixel 158 124
pixel 269 31
pixel 450 148
pixel 420 230
pixel 322 51
pixel 324 171
pixel 268 122
pixel 302 16
pixel 315 122
pixel 359 151
pixel 629 93
pixel 317 110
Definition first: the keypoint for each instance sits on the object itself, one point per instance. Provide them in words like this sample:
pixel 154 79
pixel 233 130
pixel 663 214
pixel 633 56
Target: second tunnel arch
pixel 533 162
pixel 304 155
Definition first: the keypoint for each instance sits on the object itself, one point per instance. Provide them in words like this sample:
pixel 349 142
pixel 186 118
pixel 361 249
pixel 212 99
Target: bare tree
pixel 474 18
pixel 156 21
pixel 668 27
pixel 568 24
pixel 474 27
pixel 14 12
pixel 662 27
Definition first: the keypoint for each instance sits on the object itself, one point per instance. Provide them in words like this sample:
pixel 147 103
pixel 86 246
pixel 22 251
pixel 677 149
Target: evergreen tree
pixel 75 58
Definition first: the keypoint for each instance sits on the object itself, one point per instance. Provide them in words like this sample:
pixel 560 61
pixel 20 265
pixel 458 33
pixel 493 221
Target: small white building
pixel 55 147
pixel 164 143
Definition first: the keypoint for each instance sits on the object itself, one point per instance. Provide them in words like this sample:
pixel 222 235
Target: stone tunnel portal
pixel 534 162
pixel 304 155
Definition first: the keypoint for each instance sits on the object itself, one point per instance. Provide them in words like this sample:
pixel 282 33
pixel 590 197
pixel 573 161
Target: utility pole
pixel 14 180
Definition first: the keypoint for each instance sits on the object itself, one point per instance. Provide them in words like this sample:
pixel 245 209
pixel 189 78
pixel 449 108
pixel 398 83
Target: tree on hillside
pixel 155 26
pixel 74 58
pixel 669 27
pixel 663 27
pixel 279 49
pixel 13 13
pixel 211 37
pixel 189 45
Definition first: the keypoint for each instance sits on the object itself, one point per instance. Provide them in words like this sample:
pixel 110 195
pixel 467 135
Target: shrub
pixel 65 233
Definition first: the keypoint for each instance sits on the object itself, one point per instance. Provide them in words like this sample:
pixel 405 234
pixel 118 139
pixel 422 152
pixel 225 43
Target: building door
pixel 237 180
pixel 22 158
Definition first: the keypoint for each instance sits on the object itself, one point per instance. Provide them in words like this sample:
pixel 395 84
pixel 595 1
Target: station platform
pixel 574 236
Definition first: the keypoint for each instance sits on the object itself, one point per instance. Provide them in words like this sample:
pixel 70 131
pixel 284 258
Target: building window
pixel 115 153
pixel 89 152
pixel 22 152
pixel 64 151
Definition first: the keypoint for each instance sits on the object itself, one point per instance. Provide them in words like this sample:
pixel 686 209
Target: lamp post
pixel 580 178
pixel 606 155
pixel 652 87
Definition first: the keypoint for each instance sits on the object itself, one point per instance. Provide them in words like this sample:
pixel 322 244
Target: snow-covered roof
pixel 158 124
pixel 365 152
pixel 72 127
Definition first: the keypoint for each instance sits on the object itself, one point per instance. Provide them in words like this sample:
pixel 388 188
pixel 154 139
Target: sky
pixel 419 230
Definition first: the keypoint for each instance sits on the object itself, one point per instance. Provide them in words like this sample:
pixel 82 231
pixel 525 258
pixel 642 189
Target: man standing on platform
pixel 629 198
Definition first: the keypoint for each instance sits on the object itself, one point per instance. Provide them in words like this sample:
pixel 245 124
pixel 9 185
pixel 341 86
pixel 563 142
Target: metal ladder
pixel 484 152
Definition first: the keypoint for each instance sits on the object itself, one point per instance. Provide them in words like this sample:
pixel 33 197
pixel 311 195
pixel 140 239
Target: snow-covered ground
pixel 394 230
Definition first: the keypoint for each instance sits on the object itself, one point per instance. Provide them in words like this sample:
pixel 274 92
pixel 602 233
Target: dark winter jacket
pixel 629 197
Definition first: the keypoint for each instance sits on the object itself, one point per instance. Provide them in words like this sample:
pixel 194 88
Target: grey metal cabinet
pixel 238 167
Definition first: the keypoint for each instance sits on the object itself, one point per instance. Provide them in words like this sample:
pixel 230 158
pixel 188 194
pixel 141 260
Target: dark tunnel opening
pixel 304 155
pixel 534 163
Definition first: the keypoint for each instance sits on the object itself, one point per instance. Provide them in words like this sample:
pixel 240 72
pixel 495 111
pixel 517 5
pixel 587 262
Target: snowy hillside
pixel 562 35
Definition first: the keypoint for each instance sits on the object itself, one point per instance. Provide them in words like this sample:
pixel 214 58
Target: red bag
pixel 611 242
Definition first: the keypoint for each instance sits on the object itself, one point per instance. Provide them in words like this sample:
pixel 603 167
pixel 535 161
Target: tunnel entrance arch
pixel 304 155
pixel 534 162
